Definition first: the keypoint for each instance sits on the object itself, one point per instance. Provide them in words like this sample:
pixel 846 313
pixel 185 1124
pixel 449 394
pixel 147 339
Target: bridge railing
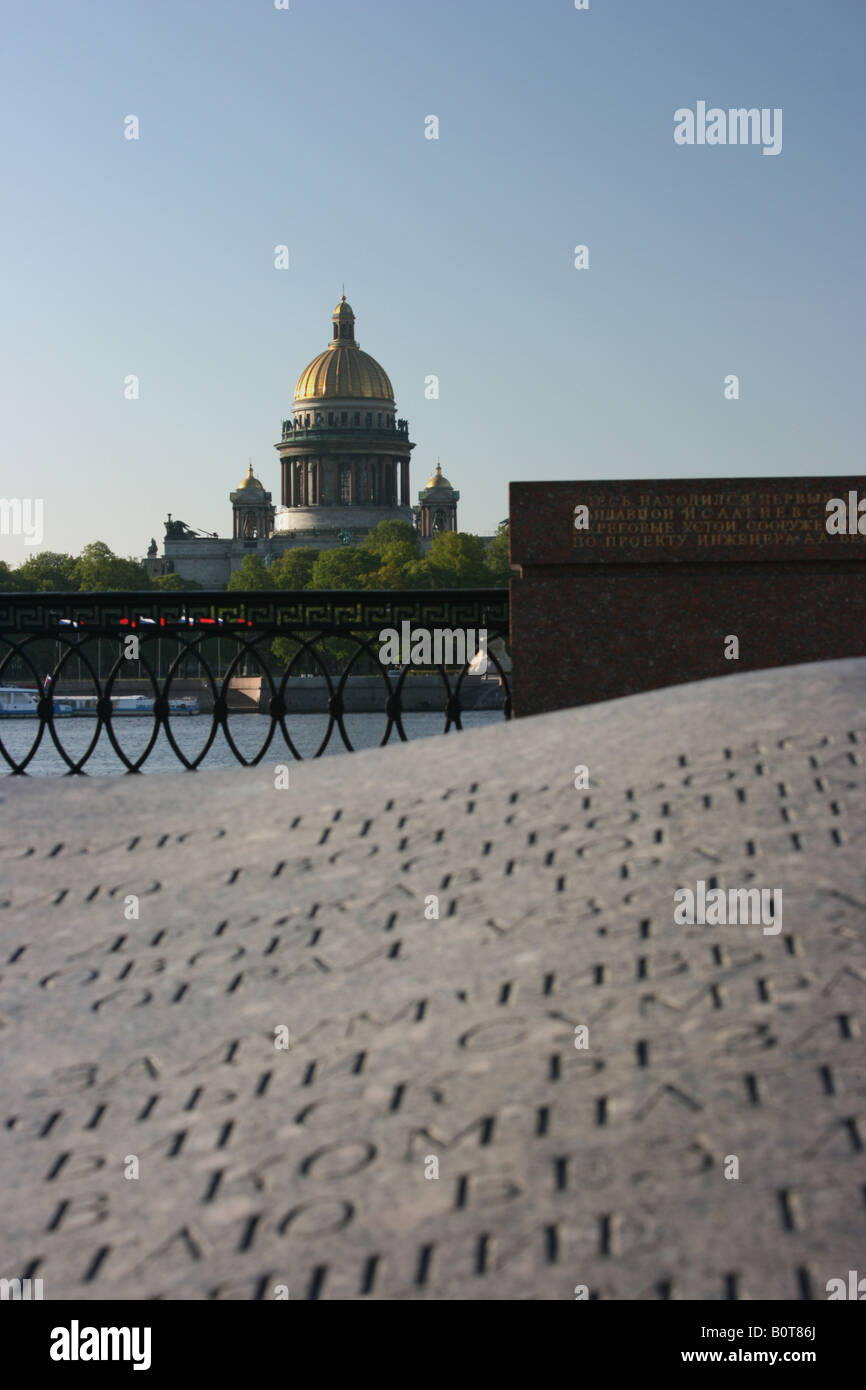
pixel 77 653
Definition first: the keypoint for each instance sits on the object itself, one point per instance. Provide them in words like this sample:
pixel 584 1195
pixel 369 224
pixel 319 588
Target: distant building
pixel 437 506
pixel 344 461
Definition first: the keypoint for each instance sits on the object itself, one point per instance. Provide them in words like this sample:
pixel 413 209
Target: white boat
pixel 18 700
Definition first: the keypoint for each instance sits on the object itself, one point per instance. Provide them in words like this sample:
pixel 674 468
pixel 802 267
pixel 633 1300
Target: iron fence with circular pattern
pixel 45 639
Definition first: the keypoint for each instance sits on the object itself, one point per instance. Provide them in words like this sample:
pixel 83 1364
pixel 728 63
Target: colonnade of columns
pixel 384 481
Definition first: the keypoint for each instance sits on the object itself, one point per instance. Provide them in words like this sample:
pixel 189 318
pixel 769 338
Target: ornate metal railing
pixel 50 641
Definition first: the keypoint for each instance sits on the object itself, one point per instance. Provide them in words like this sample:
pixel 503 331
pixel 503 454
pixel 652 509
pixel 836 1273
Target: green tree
pixel 389 533
pixel 9 583
pixel 498 565
pixel 172 582
pixel 455 560
pixel 98 568
pixel 252 574
pixel 294 569
pixel 396 566
pixel 345 567
pixel 283 649
pixel 48 572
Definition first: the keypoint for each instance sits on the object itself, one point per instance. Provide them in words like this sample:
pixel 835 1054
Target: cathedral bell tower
pixel 252 510
pixel 437 506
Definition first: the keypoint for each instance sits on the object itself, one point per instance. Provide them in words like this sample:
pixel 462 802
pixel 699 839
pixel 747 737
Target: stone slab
pixel 414 1038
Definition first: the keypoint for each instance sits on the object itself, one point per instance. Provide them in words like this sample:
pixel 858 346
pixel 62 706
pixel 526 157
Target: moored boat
pixel 18 702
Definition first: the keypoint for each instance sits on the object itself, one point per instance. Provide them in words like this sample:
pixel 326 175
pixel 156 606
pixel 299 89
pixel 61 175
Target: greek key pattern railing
pixel 54 644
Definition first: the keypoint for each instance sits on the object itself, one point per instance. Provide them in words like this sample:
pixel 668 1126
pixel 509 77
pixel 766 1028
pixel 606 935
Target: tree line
pixel 389 557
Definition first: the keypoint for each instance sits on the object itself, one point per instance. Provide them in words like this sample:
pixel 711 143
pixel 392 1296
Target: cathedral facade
pixel 344 467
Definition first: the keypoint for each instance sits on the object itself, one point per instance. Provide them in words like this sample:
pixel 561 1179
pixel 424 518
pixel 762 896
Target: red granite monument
pixel 628 586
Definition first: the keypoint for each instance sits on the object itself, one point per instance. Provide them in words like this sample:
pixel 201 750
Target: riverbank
pixel 310 694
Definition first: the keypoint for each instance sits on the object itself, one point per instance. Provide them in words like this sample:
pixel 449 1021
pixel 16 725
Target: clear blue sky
pixel 306 127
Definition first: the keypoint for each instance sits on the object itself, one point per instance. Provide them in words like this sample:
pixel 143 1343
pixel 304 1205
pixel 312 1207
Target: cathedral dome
pixel 438 479
pixel 343 371
pixel 250 480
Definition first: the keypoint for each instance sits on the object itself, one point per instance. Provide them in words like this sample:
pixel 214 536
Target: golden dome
pixel 250 480
pixel 343 371
pixel 438 479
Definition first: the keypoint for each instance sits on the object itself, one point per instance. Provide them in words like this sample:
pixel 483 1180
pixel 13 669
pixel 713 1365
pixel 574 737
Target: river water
pixel 191 732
